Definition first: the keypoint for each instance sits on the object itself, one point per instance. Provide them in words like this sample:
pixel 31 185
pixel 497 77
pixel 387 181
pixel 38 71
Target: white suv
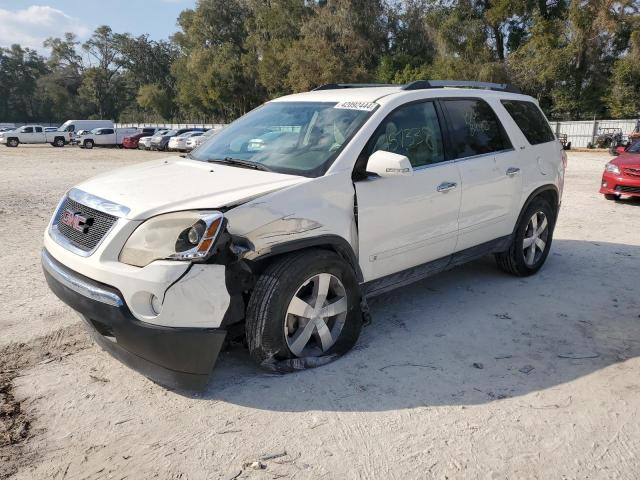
pixel 283 224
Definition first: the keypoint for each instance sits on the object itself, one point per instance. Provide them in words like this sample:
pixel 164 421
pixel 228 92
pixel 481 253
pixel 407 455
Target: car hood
pixel 627 160
pixel 176 183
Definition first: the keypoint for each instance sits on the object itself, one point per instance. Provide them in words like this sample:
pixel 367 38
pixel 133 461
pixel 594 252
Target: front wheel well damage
pixel 241 274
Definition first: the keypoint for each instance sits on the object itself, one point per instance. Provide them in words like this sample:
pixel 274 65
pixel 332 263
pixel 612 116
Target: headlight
pixel 611 168
pixel 175 236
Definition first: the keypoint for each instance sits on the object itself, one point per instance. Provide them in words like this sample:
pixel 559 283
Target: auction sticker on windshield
pixel 365 106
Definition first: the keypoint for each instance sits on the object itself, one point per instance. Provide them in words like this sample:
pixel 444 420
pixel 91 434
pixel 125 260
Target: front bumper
pixel 177 357
pixel 620 185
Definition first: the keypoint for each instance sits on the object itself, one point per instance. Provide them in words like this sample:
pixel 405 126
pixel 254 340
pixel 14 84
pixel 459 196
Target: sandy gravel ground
pixel 468 374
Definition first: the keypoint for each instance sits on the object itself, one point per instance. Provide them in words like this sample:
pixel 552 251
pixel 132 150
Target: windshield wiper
pixel 240 163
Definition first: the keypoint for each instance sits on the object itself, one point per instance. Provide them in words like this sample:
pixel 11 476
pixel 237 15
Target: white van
pixel 74 126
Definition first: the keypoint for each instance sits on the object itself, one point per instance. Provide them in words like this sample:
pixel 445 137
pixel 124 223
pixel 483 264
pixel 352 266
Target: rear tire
pixel 611 196
pixel 531 242
pixel 271 327
pixel 58 142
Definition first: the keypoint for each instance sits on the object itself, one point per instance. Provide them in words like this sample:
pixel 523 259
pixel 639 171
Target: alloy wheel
pixel 535 238
pixel 316 316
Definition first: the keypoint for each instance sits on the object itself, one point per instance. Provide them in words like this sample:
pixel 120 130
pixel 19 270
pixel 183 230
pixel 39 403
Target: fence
pixel 215 126
pixel 582 133
pixel 579 133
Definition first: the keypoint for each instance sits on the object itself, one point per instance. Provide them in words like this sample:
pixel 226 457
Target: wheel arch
pixel 549 192
pixel 331 242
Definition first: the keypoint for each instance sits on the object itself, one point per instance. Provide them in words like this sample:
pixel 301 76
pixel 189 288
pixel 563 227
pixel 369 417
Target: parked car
pixel 6 129
pixel 105 137
pixel 34 134
pixel 76 138
pixel 622 174
pixel 196 141
pixel 179 142
pixel 131 141
pixel 364 190
pixel 161 141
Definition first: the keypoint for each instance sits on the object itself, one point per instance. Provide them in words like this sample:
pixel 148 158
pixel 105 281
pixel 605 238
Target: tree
pixel 624 96
pixel 20 69
pixel 102 81
pixel 342 41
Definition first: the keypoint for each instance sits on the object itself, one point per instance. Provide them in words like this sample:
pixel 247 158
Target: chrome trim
pixel 473 157
pixel 78 285
pixel 98 203
pixel 60 239
pixel 444 187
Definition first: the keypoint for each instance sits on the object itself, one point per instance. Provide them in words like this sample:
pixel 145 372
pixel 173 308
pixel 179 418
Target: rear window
pixel 530 120
pixel 474 128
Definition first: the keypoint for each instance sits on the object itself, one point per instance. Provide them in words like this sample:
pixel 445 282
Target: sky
pixel 29 23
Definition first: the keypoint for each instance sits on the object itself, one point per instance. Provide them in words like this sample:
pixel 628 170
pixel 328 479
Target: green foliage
pixel 579 58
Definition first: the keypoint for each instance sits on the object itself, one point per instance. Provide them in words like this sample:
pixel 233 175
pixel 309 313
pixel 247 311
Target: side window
pixel 38 129
pixel 70 128
pixel 413 131
pixel 27 130
pixel 107 131
pixel 474 128
pixel 530 120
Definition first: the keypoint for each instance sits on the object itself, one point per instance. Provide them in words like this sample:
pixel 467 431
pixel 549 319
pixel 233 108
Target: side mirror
pixel 388 164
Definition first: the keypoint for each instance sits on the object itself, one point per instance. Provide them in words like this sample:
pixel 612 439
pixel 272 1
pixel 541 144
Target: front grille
pixel 627 189
pixel 97 225
pixel 634 172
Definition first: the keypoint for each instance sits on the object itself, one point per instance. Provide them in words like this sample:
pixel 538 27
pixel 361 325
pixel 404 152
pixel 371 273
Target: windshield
pixel 299 138
pixel 635 148
pixel 66 127
pixel 170 133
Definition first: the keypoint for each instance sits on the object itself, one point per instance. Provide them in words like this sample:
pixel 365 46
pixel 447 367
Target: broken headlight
pixel 188 235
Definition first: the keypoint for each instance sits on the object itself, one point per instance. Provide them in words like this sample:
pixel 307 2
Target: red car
pixel 132 140
pixel 622 174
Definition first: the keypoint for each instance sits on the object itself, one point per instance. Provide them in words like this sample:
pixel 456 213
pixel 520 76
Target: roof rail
pixel 335 86
pixel 423 84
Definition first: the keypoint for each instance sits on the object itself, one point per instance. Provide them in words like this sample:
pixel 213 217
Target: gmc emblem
pixel 76 221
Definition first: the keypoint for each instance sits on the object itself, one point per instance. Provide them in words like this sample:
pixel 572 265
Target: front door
pixel 410 220
pixel 489 168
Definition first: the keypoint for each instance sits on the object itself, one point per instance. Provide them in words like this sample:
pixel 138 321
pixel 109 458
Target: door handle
pixel 446 186
pixel 512 171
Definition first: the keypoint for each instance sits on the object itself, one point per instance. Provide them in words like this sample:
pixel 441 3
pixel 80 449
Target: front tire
pixel 305 304
pixel 58 142
pixel 13 142
pixel 611 196
pixel 88 144
pixel 531 242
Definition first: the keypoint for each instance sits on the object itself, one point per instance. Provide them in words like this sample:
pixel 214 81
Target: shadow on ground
pixel 467 336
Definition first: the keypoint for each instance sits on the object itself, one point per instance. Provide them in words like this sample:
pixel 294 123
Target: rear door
pixel 489 168
pixel 536 142
pixel 107 136
pixel 38 135
pixel 410 220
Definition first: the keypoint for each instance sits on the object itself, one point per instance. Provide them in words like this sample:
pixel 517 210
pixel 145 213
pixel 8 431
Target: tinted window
pixel 27 130
pixel 474 128
pixel 38 129
pixel 530 120
pixel 107 131
pixel 413 131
